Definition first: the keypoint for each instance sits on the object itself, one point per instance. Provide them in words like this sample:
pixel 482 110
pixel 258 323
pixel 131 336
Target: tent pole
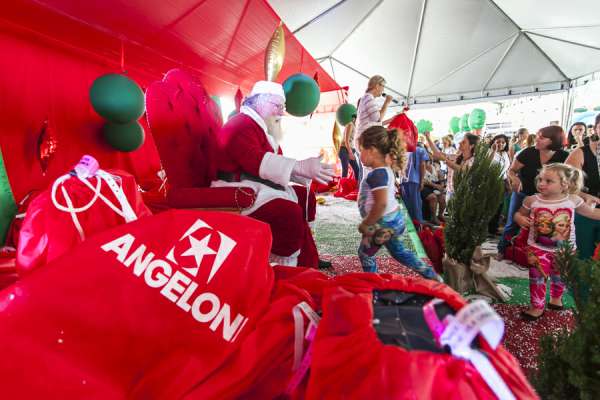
pixel 563 40
pixel 332 69
pixel 416 51
pixel 563 27
pixel 310 22
pixel 356 27
pixel 567 106
pixel 465 64
pixel 517 36
pixel 500 10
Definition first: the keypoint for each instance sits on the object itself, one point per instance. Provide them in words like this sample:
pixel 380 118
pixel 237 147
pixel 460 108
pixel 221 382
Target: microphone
pixel 395 101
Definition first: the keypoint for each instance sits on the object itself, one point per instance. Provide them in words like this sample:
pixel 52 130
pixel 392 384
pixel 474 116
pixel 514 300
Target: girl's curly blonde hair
pixel 568 174
pixel 386 142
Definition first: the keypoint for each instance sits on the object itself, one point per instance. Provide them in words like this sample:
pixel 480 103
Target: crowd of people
pixel 551 188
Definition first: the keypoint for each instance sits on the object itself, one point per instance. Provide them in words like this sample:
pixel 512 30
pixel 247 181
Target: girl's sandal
pixel 528 317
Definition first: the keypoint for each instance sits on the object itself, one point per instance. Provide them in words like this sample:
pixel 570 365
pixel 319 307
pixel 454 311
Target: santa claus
pixel 250 156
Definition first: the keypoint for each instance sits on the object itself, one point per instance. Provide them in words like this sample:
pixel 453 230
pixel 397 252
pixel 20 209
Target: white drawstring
pixel 68 209
pixel 73 214
pixel 302 359
pixel 458 332
pixel 126 211
pixel 299 332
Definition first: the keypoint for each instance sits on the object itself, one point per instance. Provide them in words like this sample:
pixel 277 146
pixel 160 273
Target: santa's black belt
pixel 235 177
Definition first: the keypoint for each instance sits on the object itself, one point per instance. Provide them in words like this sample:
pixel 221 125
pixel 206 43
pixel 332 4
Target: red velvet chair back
pixel 184 120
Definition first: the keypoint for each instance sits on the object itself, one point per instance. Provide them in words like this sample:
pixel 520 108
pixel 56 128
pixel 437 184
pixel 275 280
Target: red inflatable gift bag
pixel 373 341
pixel 517 250
pixel 273 359
pixel 434 251
pixel 317 187
pixel 346 186
pixel 73 209
pixel 438 235
pixel 406 126
pixel 12 238
pixel 142 311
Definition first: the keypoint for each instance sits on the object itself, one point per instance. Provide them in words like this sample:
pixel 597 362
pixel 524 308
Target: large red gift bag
pixel 359 353
pixel 273 360
pixel 434 251
pixel 72 210
pixel 142 311
pixel 517 249
pixel 408 128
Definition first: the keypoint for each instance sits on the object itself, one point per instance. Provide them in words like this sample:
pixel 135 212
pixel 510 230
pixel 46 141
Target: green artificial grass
pixel 520 292
pixel 341 238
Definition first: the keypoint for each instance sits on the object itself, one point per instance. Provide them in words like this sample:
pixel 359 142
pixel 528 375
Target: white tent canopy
pixel 432 51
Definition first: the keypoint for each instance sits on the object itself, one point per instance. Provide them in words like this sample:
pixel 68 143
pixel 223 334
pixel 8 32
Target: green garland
pixel 411 231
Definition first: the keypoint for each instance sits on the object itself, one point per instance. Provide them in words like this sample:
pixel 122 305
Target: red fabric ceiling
pixel 222 42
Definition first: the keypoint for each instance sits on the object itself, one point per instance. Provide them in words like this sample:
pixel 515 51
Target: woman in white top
pixel 500 153
pixel 448 149
pixel 369 112
pixel 463 158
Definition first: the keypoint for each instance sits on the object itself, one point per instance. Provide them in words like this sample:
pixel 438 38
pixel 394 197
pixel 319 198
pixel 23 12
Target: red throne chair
pixel 183 120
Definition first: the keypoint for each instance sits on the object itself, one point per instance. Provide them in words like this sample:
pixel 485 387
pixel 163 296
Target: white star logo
pixel 198 249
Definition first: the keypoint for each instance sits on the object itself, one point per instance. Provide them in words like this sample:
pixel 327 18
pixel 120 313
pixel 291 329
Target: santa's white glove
pixel 313 168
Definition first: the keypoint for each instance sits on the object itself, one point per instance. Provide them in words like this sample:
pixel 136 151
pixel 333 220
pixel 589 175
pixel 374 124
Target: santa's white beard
pixel 274 128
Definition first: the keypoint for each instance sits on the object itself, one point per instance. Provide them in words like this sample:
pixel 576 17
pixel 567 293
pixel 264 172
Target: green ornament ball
pixel 124 137
pixel 302 95
pixel 424 125
pixel 455 124
pixel 117 98
pixel 477 118
pixel 464 123
pixel 580 110
pixel 344 114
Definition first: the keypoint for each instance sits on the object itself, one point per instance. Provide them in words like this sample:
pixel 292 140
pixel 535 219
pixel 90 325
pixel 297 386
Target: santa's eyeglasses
pixel 279 106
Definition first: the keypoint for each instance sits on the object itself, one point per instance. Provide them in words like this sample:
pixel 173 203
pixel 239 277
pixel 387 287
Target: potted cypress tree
pixel 478 191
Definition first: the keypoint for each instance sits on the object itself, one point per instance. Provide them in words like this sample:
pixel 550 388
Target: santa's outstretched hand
pixel 313 168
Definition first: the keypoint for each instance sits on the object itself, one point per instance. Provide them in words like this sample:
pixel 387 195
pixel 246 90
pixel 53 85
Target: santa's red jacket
pixel 248 156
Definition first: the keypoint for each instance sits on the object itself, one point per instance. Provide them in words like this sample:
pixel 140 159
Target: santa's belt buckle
pixel 228 176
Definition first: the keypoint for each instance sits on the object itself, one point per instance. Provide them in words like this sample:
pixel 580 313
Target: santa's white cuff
pixel 276 168
pixel 290 261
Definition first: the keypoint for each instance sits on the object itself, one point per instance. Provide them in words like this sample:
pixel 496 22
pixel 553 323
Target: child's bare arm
pixel 522 217
pixel 585 209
